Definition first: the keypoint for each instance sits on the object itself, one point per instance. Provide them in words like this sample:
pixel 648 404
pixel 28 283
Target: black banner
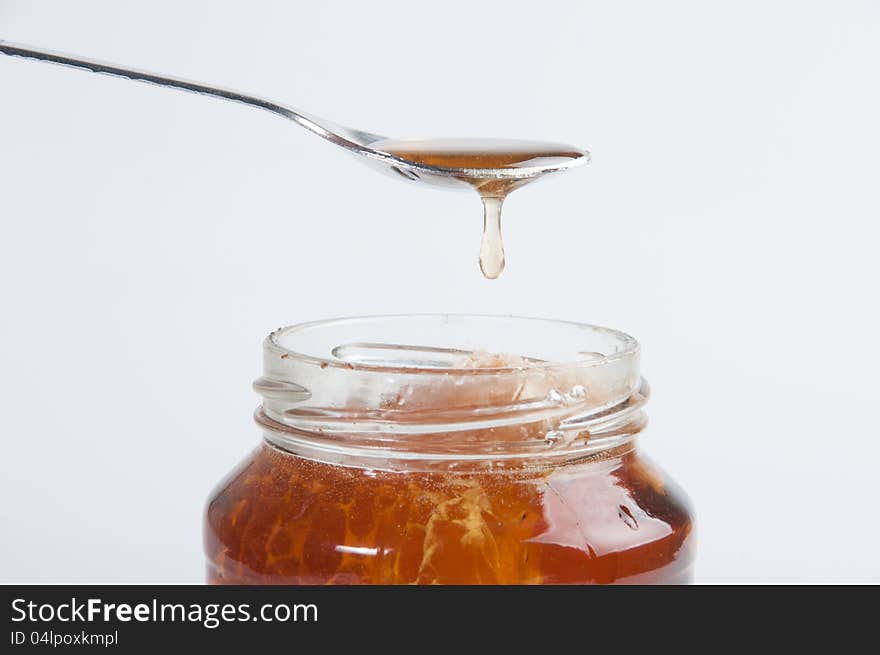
pixel 395 619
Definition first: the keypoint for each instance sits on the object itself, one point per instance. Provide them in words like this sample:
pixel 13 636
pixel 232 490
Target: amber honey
pixel 280 519
pixel 478 153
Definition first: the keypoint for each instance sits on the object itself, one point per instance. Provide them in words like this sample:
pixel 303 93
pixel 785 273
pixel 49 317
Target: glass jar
pixel 451 450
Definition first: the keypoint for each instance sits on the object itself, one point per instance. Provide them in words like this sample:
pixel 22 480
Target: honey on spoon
pixel 494 167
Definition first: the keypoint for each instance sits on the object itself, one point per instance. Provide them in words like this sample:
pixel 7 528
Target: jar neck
pixel 397 398
pixel 552 441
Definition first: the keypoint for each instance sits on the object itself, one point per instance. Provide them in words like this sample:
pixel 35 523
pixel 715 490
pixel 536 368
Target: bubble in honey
pixel 553 437
pixel 577 393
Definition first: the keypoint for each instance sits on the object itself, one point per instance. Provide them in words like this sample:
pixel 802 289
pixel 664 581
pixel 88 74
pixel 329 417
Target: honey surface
pixel 477 153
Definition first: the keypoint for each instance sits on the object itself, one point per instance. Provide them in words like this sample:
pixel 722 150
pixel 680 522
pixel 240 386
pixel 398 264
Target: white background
pixel 150 239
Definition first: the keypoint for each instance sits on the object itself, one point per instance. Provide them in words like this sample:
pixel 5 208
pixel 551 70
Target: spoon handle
pixel 342 136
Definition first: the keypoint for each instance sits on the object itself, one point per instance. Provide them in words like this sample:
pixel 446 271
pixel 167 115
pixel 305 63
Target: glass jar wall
pixel 449 450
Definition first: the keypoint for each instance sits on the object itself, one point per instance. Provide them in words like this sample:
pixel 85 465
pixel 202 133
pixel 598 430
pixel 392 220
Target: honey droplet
pixel 492 244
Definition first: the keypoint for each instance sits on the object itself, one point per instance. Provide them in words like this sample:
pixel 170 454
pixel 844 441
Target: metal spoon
pixel 353 140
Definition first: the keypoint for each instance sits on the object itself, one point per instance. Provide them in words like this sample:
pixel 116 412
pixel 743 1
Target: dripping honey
pixel 466 156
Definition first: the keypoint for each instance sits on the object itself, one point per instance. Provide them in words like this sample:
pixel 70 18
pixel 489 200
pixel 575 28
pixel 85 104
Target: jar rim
pixel 450 387
pixel 624 345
